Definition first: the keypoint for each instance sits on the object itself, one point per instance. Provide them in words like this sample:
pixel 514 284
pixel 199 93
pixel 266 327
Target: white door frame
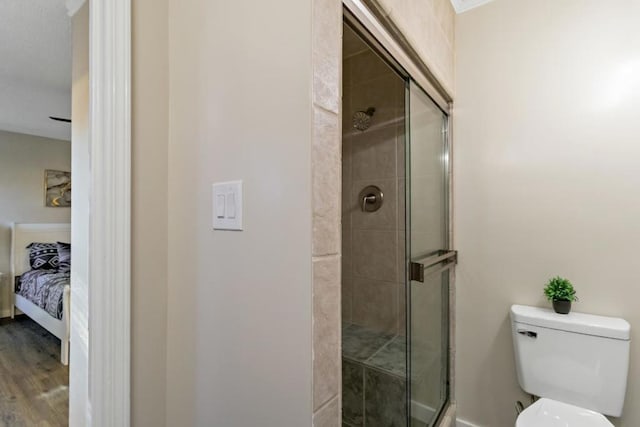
pixel 109 286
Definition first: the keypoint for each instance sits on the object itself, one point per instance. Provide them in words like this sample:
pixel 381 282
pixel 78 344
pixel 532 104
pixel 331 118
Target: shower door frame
pixel 390 41
pixel 387 40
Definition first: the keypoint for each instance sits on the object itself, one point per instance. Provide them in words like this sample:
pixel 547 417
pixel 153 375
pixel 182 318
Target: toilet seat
pixel 551 413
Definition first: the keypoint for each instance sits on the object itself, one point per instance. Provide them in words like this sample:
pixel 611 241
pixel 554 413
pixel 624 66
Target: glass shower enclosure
pixel 397 261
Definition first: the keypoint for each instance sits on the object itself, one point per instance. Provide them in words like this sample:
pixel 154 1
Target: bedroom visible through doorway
pixel 99 354
pixel 37 74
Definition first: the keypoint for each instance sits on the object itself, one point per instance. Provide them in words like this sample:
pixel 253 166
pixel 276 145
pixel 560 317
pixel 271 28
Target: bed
pixel 54 319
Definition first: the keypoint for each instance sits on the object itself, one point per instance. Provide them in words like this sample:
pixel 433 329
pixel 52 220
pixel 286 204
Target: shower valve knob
pixel 371 198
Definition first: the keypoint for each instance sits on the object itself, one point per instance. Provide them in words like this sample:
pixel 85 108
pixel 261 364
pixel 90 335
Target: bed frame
pixel 21 236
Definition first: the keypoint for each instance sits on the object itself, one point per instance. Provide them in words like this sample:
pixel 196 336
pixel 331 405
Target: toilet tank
pixel 578 358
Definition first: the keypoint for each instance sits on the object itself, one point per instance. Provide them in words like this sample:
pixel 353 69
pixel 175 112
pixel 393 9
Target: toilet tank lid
pixel 580 323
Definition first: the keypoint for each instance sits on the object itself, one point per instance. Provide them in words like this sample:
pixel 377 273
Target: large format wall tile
pixel 385 400
pixel 402 309
pixel 352 393
pixel 327 28
pixel 429 26
pixel 329 415
pixel 326 183
pixel 373 154
pixel 326 330
pixel 366 66
pixel 401 200
pixel 346 252
pixel 376 304
pixel 374 254
pixel 347 296
pixel 326 201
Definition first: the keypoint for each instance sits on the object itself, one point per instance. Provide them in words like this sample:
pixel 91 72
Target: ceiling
pixel 35 67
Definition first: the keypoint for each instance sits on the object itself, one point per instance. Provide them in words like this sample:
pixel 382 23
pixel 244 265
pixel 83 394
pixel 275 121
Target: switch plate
pixel 227 205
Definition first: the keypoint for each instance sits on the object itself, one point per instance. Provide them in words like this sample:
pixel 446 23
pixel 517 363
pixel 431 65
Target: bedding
pixel 43 256
pixel 64 257
pixel 44 288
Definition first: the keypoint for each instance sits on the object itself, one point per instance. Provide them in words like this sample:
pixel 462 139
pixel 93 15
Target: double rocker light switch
pixel 227 205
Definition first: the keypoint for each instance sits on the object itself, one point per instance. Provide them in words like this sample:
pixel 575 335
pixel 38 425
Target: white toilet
pixel 577 364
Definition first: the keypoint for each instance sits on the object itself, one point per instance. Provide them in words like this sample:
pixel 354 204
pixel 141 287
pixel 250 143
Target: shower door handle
pixel 448 259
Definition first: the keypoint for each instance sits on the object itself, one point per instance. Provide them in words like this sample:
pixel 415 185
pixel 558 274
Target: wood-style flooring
pixel 34 385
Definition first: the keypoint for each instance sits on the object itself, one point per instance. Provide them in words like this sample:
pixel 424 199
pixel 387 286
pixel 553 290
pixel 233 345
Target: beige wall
pixel 149 213
pixel 546 179
pixel 23 160
pixel 239 326
pixel 429 25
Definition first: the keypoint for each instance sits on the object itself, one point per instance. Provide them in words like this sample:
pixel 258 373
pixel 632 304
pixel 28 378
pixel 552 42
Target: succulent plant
pixel 560 289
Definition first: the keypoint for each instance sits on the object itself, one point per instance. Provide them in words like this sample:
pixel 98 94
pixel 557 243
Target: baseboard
pixel 7 313
pixel 424 413
pixel 421 412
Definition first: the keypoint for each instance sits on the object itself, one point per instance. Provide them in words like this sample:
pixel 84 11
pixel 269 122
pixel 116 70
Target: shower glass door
pixel 428 259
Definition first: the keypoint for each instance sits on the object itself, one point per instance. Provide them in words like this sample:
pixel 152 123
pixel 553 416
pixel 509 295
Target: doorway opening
pixel 35 211
pixel 99 354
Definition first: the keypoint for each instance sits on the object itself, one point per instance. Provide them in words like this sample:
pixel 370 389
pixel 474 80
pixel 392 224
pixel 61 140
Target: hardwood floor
pixel 34 385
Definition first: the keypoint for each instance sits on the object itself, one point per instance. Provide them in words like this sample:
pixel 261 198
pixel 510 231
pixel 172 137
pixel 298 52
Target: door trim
pixel 110 224
pixel 107 402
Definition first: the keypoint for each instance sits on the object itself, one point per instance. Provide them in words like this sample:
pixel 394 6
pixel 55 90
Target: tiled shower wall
pixel 372 242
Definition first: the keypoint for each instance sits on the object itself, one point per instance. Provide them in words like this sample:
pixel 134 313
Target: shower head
pixel 362 119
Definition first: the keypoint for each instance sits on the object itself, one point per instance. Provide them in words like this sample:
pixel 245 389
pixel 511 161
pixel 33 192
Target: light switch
pixel 231 204
pixel 220 205
pixel 227 205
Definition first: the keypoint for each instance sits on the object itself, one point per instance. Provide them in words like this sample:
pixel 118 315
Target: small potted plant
pixel 560 291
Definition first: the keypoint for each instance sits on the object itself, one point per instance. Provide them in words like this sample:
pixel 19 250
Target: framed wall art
pixel 57 189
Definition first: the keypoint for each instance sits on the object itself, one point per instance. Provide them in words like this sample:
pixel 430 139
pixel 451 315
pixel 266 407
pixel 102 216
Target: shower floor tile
pixel 359 343
pixel 392 357
pixel 386 352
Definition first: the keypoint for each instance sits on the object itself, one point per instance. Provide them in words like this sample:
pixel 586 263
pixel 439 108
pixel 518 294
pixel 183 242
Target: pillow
pixel 64 257
pixel 43 256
